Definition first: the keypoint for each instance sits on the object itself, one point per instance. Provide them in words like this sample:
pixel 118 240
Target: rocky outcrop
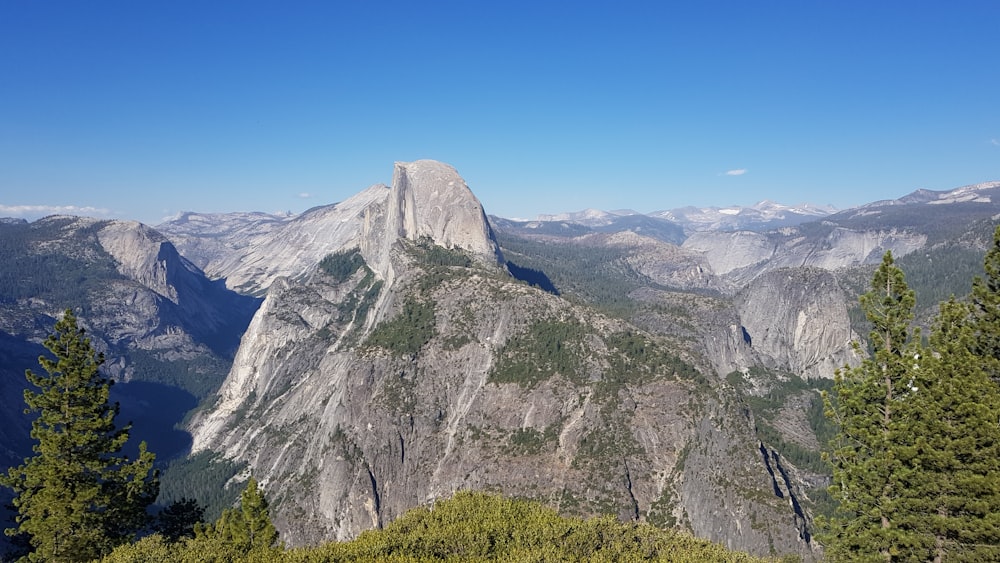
pixel 356 398
pixel 297 246
pixel 348 432
pixel 796 320
pixel 742 256
pixel 167 332
pixel 428 199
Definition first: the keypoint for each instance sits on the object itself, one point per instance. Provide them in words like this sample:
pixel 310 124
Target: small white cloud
pixel 995 142
pixel 736 172
pixel 305 195
pixel 43 210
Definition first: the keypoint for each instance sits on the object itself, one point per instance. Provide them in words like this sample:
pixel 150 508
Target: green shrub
pixel 547 348
pixel 342 265
pixel 407 332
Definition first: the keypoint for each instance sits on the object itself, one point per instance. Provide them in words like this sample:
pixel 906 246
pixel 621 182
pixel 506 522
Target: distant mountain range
pixel 761 216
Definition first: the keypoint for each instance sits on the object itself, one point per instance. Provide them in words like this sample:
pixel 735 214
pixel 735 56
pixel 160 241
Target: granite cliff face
pixel 796 320
pixel 356 396
pixel 743 255
pixel 426 199
pixel 169 333
pixel 513 389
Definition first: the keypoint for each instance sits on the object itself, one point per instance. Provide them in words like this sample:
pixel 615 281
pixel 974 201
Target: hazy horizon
pixel 143 110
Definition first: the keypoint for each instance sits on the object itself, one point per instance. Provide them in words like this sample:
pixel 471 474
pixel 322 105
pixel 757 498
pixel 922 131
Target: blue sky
pixel 140 110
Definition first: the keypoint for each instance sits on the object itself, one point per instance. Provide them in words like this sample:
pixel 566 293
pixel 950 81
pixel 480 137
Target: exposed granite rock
pixel 743 255
pixel 796 320
pixel 427 199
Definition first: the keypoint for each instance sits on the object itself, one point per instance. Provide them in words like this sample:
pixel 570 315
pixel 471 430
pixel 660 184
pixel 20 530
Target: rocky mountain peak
pixel 428 199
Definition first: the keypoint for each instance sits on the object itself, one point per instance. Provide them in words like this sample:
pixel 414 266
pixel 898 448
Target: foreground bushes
pixel 469 527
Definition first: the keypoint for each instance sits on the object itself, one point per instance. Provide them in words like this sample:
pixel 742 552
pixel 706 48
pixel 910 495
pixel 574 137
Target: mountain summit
pixel 427 199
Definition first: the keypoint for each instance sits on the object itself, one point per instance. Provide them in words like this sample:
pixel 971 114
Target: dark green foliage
pixel 532 277
pixel 440 256
pixel 59 273
pixel 353 310
pixel 917 458
pixel 985 310
pixel 635 359
pixel 606 446
pixel 179 518
pixel 202 476
pixel 766 408
pixel 871 414
pixel 939 273
pixel 438 264
pixel 246 528
pixel 342 265
pixel 240 535
pixel 950 483
pixel 201 376
pixel 78 497
pixel 528 441
pixel 593 274
pixel 545 349
pixel 405 334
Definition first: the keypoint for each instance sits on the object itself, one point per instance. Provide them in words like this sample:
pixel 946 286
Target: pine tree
pixel 247 527
pixel 869 405
pixel 179 519
pixel 985 301
pixel 951 476
pixel 255 529
pixel 77 497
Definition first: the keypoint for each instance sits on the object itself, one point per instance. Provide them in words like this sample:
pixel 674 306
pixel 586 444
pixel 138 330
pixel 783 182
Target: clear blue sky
pixel 141 109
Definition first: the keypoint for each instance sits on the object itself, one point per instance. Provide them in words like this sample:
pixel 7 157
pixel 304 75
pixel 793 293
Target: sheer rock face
pixel 347 435
pixel 297 246
pixel 427 199
pixel 796 320
pixel 198 307
pixel 742 256
pixel 162 325
pixel 347 432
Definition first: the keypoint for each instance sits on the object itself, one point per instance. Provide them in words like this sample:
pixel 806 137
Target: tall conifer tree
pixel 869 406
pixel 951 477
pixel 77 497
pixel 986 310
pixel 247 527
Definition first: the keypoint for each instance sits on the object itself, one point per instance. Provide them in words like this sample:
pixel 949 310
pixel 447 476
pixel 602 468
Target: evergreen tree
pixel 78 497
pixel 986 310
pixel 255 528
pixel 870 407
pixel 951 474
pixel 247 527
pixel 179 518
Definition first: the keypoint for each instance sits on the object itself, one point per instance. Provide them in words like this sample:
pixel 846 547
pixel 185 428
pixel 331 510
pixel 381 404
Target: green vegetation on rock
pixel 547 348
pixel 342 265
pixel 406 333
pixel 474 527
